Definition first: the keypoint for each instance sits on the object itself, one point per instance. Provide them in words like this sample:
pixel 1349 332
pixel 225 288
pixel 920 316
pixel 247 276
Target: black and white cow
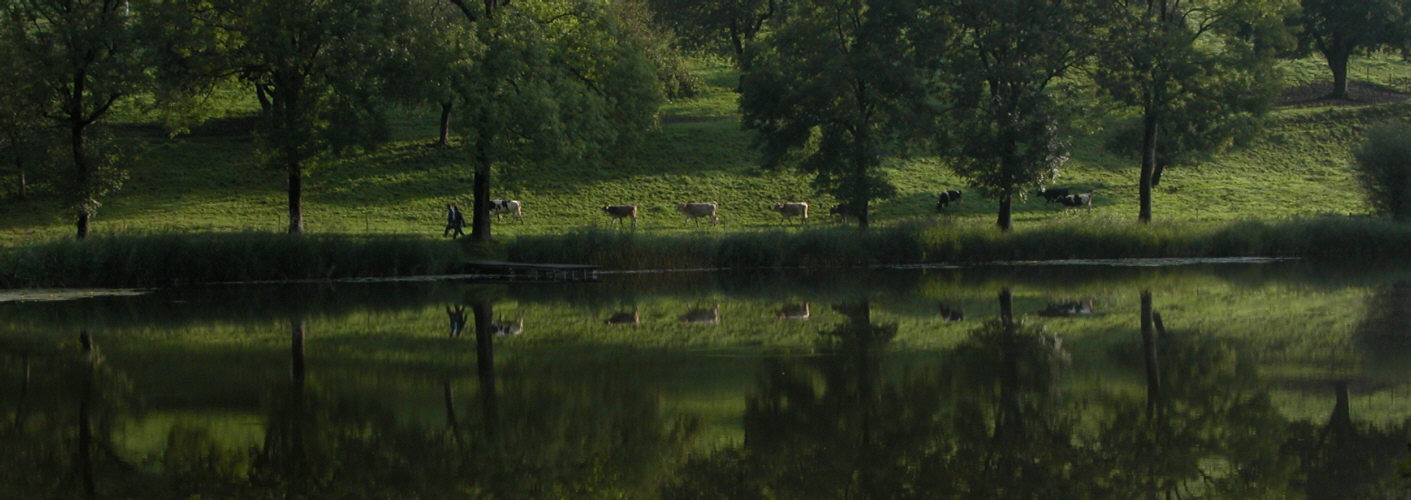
pixel 793 209
pixel 794 311
pixel 1076 201
pixel 500 207
pixel 946 198
pixel 618 212
pixel 507 328
pixel 1052 195
pixel 625 318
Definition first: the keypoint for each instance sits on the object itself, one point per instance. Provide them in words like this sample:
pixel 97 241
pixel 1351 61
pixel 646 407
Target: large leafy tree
pixel 729 24
pixel 1005 126
pixel 320 69
pixel 835 91
pixel 80 57
pixel 1338 29
pixel 547 80
pixel 1165 55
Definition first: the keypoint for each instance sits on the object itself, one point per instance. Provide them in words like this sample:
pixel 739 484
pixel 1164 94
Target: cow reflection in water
pixel 702 316
pixel 1082 307
pixel 794 312
pixel 624 318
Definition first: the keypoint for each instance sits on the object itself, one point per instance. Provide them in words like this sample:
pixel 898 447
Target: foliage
pixel 1174 59
pixel 1340 28
pixel 549 81
pixel 833 92
pixel 1006 127
pixel 1384 168
pixel 726 26
pixel 75 60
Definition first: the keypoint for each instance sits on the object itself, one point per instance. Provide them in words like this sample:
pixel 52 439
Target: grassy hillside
pixel 208 180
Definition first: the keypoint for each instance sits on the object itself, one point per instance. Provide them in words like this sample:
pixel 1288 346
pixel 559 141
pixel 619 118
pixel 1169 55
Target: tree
pixel 1004 124
pixel 735 24
pixel 547 80
pixel 833 92
pixel 1163 54
pixel 1338 29
pixel 320 90
pixel 1384 169
pixel 80 57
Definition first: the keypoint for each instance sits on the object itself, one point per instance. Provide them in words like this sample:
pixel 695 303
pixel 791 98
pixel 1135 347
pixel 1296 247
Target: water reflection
pixel 879 394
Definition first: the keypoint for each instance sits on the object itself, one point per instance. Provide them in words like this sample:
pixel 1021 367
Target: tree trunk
pixel 445 139
pixel 1005 212
pixel 1006 307
pixel 1149 129
pixel 296 188
pixel 1149 353
pixel 85 422
pixel 484 312
pixel 1337 62
pixel 480 216
pixel 84 177
pixel 20 184
pixel 1156 172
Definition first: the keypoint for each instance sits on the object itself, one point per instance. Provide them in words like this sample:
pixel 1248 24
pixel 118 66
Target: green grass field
pixel 208 180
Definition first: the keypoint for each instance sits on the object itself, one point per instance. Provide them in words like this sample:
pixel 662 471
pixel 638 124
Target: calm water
pixel 1215 381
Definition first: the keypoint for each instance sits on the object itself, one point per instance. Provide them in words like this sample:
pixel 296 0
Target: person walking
pixel 454 222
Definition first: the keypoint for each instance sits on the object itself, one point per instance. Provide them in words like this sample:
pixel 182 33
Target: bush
pixel 1384 168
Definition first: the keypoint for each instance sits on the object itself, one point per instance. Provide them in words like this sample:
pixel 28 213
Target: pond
pixel 1279 380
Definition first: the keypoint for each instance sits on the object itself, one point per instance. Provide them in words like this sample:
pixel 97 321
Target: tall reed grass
pixel 164 259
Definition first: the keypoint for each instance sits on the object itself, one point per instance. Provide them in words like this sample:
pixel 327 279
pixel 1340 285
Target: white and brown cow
pixel 507 328
pixel 696 210
pixel 500 207
pixel 793 209
pixel 794 311
pixel 619 212
pixel 701 315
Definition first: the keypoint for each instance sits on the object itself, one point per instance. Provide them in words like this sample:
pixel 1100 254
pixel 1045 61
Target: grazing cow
pixel 950 312
pixel 1053 194
pixel 841 211
pixel 618 212
pixel 507 328
pixel 793 209
pixel 1076 201
pixel 694 210
pixel 946 198
pixel 624 318
pixel 794 311
pixel 500 207
pixel 701 315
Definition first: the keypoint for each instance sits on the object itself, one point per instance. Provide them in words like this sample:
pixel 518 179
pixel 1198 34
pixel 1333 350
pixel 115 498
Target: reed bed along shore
pixel 166 259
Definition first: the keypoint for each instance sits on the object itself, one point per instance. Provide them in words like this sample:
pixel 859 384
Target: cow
pixel 794 311
pixel 618 212
pixel 1082 307
pixel 793 209
pixel 950 312
pixel 624 318
pixel 500 207
pixel 841 211
pixel 1051 195
pixel 507 328
pixel 701 315
pixel 1076 201
pixel 946 198
pixel 695 210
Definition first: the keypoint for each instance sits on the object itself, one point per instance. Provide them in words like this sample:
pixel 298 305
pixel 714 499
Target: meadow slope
pixel 208 180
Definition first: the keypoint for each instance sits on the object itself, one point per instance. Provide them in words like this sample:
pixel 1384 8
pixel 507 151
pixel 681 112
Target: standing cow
pixel 500 207
pixel 694 211
pixel 793 209
pixel 1052 195
pixel 1076 201
pixel 618 212
pixel 946 198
